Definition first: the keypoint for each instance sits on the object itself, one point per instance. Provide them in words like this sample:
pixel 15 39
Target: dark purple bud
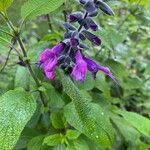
pixel 83 46
pixel 92 24
pixel 83 1
pixel 82 37
pixel 75 33
pixel 104 7
pixel 90 7
pixel 68 35
pixel 85 23
pixel 74 42
pixel 75 17
pixel 93 14
pixel 93 38
pixel 69 26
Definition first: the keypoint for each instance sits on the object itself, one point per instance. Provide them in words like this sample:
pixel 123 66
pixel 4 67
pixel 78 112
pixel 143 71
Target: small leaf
pixel 72 134
pixel 58 120
pixel 34 8
pixel 4 4
pixel 35 143
pixel 16 109
pixel 53 140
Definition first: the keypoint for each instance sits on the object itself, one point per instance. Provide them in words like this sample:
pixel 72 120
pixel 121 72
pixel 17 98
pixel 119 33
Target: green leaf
pixel 53 140
pixel 86 117
pixel 87 85
pixel 56 100
pixel 16 109
pixel 22 78
pixel 34 8
pixel 35 143
pixel 58 120
pixel 139 122
pixel 72 134
pixel 78 145
pixel 117 68
pixel 102 85
pixel 111 38
pixel 4 4
pixel 127 131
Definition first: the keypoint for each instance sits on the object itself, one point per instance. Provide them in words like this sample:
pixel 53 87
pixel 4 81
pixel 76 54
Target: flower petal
pixel 59 48
pixel 80 69
pixel 50 74
pixel 45 55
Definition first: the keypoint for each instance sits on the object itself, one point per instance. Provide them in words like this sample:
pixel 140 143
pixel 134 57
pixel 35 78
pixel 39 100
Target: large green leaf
pixel 16 109
pixel 34 8
pixel 86 117
pixel 139 122
pixel 4 4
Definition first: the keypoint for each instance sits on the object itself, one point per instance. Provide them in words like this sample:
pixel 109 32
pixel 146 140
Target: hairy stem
pixel 80 27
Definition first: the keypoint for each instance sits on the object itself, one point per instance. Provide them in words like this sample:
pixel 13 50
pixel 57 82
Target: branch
pixel 49 22
pixel 5 64
pixel 17 36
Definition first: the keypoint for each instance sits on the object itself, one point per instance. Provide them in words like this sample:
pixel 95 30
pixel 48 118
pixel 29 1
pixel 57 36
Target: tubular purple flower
pixel 59 48
pixel 94 67
pixel 50 65
pixel 80 69
pixel 45 55
pixel 49 60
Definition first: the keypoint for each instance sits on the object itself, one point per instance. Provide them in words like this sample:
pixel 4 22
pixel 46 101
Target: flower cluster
pixel 68 54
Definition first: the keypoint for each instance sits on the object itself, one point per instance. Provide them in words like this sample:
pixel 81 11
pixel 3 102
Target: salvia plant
pixel 55 94
pixel 69 54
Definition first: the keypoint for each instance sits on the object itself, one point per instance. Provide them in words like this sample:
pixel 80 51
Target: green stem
pixel 49 22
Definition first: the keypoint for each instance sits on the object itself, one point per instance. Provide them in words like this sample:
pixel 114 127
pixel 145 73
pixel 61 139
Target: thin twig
pixel 49 22
pixel 17 36
pixel 6 61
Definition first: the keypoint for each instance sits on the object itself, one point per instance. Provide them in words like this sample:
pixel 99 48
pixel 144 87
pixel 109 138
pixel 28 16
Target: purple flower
pixel 59 48
pixel 80 69
pixel 49 60
pixel 94 67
